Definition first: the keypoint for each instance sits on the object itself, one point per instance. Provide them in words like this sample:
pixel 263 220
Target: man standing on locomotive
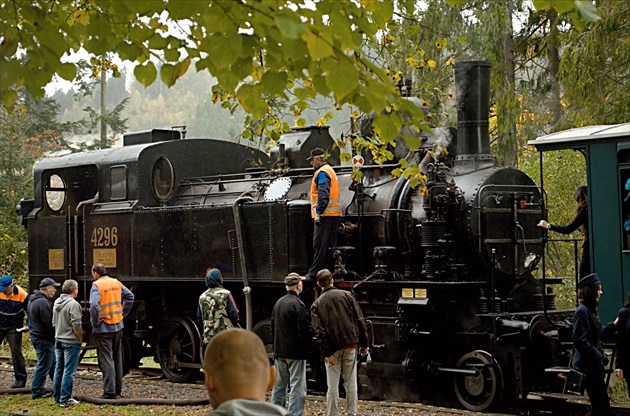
pixel 340 328
pixel 110 302
pixel 325 209
pixel 42 333
pixel 13 305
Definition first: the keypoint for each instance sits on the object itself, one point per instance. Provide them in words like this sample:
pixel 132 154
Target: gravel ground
pixel 89 383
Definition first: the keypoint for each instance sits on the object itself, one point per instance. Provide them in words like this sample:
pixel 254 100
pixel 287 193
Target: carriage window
pixel 624 175
pixel 118 181
pixel 55 192
pixel 163 179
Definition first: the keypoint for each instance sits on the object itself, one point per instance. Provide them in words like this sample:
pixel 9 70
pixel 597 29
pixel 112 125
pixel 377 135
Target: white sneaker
pixel 70 402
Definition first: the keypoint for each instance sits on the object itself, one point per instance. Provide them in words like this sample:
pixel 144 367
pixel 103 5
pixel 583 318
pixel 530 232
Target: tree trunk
pixel 103 105
pixel 507 120
pixel 554 66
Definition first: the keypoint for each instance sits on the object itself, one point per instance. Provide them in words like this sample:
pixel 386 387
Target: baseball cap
pixel 293 279
pixel 5 282
pixel 48 281
pixel 318 151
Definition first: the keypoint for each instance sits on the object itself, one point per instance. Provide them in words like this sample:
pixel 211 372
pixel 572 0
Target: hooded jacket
pixel 216 310
pixel 66 318
pixel 40 311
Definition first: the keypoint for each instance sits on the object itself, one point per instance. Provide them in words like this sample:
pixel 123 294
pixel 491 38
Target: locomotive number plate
pixel 55 259
pixel 107 256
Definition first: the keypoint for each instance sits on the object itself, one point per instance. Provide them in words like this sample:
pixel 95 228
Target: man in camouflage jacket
pixel 217 310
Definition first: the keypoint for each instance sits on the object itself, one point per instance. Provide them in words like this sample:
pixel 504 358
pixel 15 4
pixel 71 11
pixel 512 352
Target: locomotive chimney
pixel 472 92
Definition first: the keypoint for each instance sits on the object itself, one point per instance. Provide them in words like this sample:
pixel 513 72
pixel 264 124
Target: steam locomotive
pixel 442 272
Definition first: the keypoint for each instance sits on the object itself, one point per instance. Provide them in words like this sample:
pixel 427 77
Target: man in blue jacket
pixel 13 304
pixel 292 335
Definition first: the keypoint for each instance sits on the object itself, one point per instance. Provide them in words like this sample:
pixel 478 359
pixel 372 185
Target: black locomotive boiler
pixel 443 272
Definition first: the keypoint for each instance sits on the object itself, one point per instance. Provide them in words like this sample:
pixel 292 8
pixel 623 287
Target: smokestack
pixel 472 92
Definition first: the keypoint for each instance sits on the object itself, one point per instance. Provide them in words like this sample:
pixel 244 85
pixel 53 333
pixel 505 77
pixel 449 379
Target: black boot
pixel 19 383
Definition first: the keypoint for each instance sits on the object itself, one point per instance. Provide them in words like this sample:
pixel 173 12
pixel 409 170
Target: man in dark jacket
pixel 292 335
pixel 42 335
pixel 339 327
pixel 13 304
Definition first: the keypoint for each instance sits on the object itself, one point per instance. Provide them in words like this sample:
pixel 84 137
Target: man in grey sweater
pixel 68 338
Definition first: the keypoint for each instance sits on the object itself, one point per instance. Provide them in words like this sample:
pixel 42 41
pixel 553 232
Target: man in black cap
pixel 292 335
pixel 42 335
pixel 325 209
pixel 588 357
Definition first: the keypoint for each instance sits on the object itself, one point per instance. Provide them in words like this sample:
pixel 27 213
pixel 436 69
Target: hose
pixel 121 401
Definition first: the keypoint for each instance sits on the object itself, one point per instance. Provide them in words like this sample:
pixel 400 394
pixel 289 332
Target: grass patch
pixel 24 405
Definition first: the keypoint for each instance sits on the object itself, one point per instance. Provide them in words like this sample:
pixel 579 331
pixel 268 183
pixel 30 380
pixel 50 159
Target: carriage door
pixel 62 228
pixel 84 189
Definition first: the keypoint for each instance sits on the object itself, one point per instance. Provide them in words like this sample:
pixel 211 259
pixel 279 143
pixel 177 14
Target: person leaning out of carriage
pixel 13 305
pixel 588 357
pixel 579 223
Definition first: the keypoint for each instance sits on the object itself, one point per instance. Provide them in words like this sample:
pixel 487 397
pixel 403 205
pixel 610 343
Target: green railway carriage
pixel 606 150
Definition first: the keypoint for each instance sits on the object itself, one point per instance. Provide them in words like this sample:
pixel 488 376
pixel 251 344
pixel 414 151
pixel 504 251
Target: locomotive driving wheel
pixel 178 348
pixel 483 390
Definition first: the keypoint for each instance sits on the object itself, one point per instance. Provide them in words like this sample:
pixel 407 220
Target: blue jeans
pixel 45 351
pixel 292 373
pixel 65 369
pixel 348 364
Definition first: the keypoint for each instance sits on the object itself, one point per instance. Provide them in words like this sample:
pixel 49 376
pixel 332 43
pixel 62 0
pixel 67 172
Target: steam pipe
pixel 240 239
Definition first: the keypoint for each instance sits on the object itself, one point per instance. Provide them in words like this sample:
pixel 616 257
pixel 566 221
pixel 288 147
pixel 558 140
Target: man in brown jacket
pixel 339 327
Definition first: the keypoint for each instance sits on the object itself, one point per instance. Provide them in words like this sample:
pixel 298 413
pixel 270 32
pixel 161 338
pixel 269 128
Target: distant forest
pixel 188 103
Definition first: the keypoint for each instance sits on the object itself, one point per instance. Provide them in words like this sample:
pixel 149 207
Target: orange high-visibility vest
pixel 334 204
pixel 111 300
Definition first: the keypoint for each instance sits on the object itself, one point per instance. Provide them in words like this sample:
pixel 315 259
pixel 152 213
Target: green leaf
pixel 145 74
pixel 249 97
pixel 563 6
pixel 274 82
pixel 578 23
pixel 588 11
pixel 317 46
pixel 67 71
pixel 167 75
pixel 343 80
pixel 542 4
pixel 9 98
pixel 456 3
pixel 9 44
pixel 181 68
pixel 290 26
pixel 387 126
